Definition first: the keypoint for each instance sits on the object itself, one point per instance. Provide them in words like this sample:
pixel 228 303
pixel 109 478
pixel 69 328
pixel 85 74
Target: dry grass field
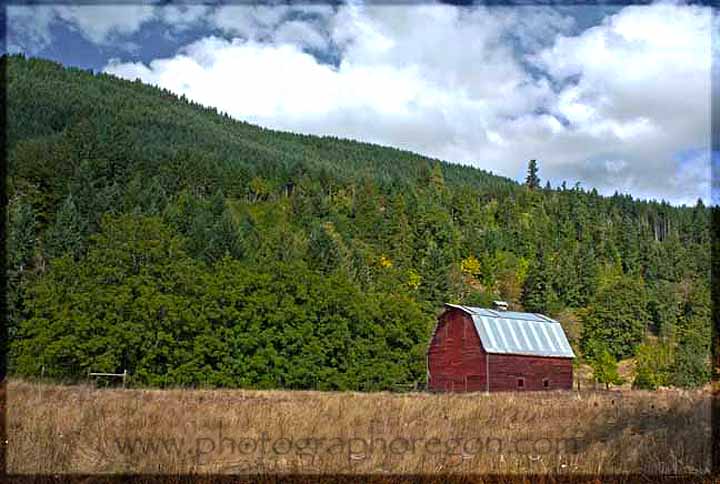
pixel 80 429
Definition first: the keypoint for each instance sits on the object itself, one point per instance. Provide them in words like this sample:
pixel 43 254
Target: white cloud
pixel 182 17
pixel 302 34
pixel 247 21
pixel 99 23
pixel 34 32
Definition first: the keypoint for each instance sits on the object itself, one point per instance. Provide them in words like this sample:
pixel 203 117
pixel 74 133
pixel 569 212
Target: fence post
pixel 124 376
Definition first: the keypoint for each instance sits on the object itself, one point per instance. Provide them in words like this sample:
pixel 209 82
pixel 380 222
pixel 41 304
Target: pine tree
pixel 533 180
pixel 691 368
pixel 538 292
pixel 67 235
pixel 22 234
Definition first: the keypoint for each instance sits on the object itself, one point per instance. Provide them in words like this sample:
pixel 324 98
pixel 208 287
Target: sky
pixel 615 98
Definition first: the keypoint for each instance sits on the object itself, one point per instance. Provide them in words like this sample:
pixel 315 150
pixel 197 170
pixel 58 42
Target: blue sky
pixel 613 97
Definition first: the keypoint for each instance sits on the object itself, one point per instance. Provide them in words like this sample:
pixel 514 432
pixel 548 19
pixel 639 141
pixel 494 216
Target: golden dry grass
pixel 57 429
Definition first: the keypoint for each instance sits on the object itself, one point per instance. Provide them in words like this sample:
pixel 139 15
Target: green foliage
pixel 605 367
pixel 139 302
pixel 617 318
pixel 539 293
pixel 208 225
pixel 653 365
pixel 22 241
pixel 664 306
pixel 22 234
pixel 691 368
pixel 67 235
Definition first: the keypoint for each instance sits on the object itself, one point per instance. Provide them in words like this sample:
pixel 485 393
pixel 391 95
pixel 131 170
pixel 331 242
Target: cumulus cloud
pixel 642 92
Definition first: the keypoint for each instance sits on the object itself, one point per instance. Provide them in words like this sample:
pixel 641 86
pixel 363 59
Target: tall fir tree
pixel 532 180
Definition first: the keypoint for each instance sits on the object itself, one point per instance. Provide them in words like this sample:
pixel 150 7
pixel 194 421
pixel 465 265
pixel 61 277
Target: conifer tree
pixel 532 180
pixel 67 234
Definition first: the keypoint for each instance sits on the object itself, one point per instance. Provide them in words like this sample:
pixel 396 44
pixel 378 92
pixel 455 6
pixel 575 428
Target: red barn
pixel 476 349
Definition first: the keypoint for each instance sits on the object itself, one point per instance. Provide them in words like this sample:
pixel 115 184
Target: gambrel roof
pixel 517 333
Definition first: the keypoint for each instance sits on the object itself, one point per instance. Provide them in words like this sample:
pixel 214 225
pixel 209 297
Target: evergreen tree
pixel 532 181
pixel 68 234
pixel 691 368
pixel 22 234
pixel 538 292
pixel 617 318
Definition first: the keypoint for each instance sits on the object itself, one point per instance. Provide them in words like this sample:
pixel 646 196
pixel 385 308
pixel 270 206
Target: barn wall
pixel 506 369
pixel 456 359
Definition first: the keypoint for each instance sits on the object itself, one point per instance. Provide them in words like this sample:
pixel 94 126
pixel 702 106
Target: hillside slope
pixel 151 234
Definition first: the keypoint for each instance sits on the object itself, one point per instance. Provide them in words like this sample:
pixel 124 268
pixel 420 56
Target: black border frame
pixel 714 475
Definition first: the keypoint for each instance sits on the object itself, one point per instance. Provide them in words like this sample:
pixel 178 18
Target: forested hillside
pixel 152 234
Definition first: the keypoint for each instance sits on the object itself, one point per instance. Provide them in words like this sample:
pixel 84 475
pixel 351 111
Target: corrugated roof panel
pixel 533 339
pixel 526 337
pixel 514 343
pixel 486 334
pixel 543 336
pixel 518 336
pixel 522 341
pixel 565 345
pixel 553 337
pixel 497 328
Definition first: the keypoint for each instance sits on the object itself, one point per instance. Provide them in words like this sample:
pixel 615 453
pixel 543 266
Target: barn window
pixel 521 383
pixel 546 383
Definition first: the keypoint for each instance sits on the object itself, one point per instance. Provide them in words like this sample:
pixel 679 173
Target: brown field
pixel 55 429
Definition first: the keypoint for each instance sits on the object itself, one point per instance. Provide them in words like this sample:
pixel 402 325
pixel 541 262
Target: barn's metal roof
pixel 518 333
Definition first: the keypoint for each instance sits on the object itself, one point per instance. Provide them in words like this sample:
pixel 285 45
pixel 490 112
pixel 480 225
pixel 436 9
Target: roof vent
pixel 500 306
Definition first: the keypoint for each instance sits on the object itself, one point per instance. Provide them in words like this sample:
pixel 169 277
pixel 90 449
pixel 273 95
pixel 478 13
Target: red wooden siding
pixel 456 359
pixel 506 369
pixel 457 362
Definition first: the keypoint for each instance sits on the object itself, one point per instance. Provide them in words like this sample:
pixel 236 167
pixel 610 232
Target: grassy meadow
pixel 54 429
